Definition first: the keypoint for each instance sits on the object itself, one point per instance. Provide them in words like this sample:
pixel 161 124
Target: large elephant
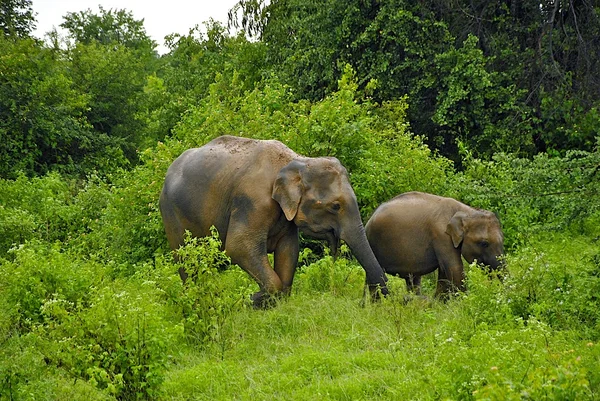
pixel 416 233
pixel 258 194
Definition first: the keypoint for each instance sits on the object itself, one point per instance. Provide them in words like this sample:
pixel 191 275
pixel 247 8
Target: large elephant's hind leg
pixel 175 233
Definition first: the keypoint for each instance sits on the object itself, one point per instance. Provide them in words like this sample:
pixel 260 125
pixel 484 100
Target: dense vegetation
pixel 495 104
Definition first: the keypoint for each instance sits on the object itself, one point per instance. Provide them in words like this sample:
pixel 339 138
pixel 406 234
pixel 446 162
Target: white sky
pixel 160 17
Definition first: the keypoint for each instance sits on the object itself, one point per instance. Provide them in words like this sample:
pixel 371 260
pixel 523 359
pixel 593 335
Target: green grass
pixel 476 346
pixel 330 348
pixel 524 338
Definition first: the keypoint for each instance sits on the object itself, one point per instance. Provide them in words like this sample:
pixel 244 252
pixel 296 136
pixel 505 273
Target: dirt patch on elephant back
pixel 234 145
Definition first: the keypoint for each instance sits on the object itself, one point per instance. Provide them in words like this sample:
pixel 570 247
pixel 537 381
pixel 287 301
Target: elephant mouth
pixel 328 235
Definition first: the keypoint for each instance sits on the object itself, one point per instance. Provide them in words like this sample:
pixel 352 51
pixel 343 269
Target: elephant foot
pixel 264 300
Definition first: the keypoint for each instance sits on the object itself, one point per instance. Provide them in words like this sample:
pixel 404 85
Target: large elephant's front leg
pixel 286 258
pixel 248 250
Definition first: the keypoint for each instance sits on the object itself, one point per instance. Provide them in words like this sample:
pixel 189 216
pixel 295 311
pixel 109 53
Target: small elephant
pixel 258 194
pixel 416 233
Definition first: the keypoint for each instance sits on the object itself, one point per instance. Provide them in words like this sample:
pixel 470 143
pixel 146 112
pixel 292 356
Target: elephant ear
pixel 288 187
pixel 455 228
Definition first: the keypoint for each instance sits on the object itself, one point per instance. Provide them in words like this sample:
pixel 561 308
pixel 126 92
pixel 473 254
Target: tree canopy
pixel 512 76
pixel 17 18
pixel 517 77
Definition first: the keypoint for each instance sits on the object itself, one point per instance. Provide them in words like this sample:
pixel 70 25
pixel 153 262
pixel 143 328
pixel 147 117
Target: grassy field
pixel 532 336
pixel 476 346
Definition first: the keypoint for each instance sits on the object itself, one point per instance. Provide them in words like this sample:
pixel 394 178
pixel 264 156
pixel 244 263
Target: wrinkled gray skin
pixel 416 233
pixel 258 194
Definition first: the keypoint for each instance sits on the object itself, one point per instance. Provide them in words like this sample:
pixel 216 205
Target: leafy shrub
pixel 117 343
pixel 213 292
pixel 49 208
pixel 25 375
pixel 34 208
pixel 486 301
pixel 565 377
pixel 40 272
pixel 328 274
pixel 558 282
pixel 130 232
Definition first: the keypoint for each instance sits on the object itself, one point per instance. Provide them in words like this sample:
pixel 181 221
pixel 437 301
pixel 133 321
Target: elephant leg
pixel 413 284
pixel 175 236
pixel 286 259
pixel 450 280
pixel 450 269
pixel 252 257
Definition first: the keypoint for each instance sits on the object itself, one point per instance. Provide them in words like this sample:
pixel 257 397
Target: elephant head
pixel 315 193
pixel 479 235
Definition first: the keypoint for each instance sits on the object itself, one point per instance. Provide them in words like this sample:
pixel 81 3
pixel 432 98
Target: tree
pixel 111 58
pixel 109 27
pixel 16 18
pixel 42 116
pixel 112 79
pixel 196 61
pixel 516 76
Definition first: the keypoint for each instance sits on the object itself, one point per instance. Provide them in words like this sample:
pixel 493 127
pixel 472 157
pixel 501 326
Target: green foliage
pixel 543 193
pixel 517 77
pixel 118 343
pixel 196 61
pixel 41 123
pixel 213 292
pixel 328 274
pixel 558 287
pixel 25 375
pixel 467 91
pixel 39 273
pixel 374 143
pixel 113 78
pixel 109 27
pixel 47 208
pixel 130 231
pixel 16 18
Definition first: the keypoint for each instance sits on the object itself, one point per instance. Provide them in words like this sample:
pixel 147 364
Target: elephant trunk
pixel 356 239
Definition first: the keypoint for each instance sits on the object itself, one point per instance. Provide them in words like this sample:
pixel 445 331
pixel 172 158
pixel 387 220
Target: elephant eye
pixel 484 244
pixel 335 206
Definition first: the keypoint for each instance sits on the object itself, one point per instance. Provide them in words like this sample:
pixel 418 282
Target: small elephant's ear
pixel 455 228
pixel 287 189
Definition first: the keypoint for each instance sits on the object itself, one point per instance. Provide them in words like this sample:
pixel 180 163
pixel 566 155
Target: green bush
pixel 118 343
pixel 37 208
pixel 564 377
pixel 534 195
pixel 339 275
pixel 129 232
pixel 40 272
pixel 557 281
pixel 26 375
pixel 49 208
pixel 213 292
